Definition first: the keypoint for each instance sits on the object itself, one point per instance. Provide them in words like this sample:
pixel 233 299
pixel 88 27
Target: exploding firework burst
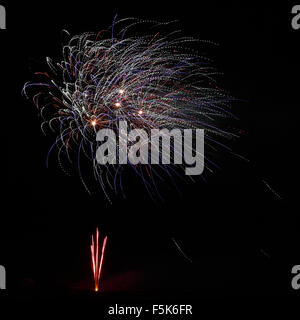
pixel 151 80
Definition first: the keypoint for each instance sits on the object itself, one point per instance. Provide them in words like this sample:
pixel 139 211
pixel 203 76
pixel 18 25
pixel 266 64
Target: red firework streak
pixel 96 264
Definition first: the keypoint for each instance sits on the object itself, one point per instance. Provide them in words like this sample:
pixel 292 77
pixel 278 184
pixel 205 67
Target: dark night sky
pixel 231 223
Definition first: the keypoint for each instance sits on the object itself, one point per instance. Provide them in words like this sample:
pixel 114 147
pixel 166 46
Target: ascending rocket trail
pixel 96 264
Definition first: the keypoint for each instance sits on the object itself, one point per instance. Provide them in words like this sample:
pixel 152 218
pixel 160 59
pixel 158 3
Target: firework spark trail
pixel 181 251
pixel 272 190
pixel 96 266
pixel 150 80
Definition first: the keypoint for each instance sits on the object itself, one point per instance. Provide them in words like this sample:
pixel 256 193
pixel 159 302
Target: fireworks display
pixel 96 255
pixel 151 79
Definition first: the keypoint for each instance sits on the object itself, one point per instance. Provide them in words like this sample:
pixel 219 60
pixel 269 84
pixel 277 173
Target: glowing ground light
pixel 96 264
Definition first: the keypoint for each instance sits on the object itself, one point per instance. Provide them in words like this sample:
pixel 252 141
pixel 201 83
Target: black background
pixel 242 238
